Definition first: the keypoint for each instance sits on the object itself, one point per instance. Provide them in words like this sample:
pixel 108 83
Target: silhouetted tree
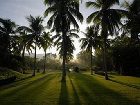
pixel 25 43
pixel 7 28
pixel 108 18
pixel 45 42
pixel 69 43
pixel 91 41
pixel 133 18
pixel 34 30
pixel 63 16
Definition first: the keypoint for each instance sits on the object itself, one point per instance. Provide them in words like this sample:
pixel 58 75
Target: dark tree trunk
pixel 7 42
pixel 104 59
pixel 64 58
pixel 64 69
pixel 120 69
pixel 134 35
pixel 91 61
pixel 23 57
pixel 45 63
pixel 104 35
pixel 34 61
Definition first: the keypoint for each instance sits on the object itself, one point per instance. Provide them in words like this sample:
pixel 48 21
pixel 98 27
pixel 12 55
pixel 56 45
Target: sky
pixel 18 10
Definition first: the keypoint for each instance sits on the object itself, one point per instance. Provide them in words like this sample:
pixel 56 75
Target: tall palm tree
pixel 34 30
pixel 45 42
pixel 108 18
pixel 25 43
pixel 133 16
pixel 63 16
pixel 91 40
pixel 58 40
pixel 15 45
pixel 7 28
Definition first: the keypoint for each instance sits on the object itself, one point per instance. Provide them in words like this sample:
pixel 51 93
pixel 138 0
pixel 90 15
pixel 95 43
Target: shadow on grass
pixel 17 82
pixel 94 93
pixel 36 89
pixel 8 83
pixel 64 94
pixel 27 93
pixel 76 97
pixel 25 78
pixel 125 84
pixel 15 88
pixel 63 97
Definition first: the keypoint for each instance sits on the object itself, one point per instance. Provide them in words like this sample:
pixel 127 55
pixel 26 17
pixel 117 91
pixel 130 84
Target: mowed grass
pixel 79 89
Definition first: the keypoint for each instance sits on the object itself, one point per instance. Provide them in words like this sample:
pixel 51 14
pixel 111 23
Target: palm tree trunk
pixel 64 58
pixel 104 59
pixel 134 35
pixel 34 61
pixel 64 69
pixel 23 54
pixel 104 35
pixel 45 63
pixel 91 61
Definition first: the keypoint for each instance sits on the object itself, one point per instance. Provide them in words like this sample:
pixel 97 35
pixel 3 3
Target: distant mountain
pixel 40 56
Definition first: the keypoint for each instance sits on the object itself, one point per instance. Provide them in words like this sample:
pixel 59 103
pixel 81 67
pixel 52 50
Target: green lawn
pixel 80 89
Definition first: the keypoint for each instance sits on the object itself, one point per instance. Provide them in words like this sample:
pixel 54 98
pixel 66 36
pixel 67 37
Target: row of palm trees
pixel 36 36
pixel 64 15
pixel 108 20
pixel 18 39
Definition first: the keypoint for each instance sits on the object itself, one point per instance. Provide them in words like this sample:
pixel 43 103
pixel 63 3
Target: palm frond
pixel 93 4
pixel 49 10
pixel 92 16
pixel 77 14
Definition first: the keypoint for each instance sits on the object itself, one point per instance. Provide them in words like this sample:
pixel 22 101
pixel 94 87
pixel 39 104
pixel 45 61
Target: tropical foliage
pixel 109 20
pixel 34 31
pixel 64 15
pixel 63 29
pixel 91 40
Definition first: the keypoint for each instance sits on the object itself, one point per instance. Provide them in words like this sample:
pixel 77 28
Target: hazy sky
pixel 17 10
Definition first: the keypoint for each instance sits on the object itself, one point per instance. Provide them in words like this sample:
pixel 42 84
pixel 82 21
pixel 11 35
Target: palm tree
pixel 15 45
pixel 90 41
pixel 25 43
pixel 63 16
pixel 133 16
pixel 58 40
pixel 45 42
pixel 109 20
pixel 34 30
pixel 7 28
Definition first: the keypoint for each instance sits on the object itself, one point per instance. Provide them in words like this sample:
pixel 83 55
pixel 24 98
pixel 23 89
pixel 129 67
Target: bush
pixel 7 81
pixel 8 73
pixel 76 69
pixel 100 73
